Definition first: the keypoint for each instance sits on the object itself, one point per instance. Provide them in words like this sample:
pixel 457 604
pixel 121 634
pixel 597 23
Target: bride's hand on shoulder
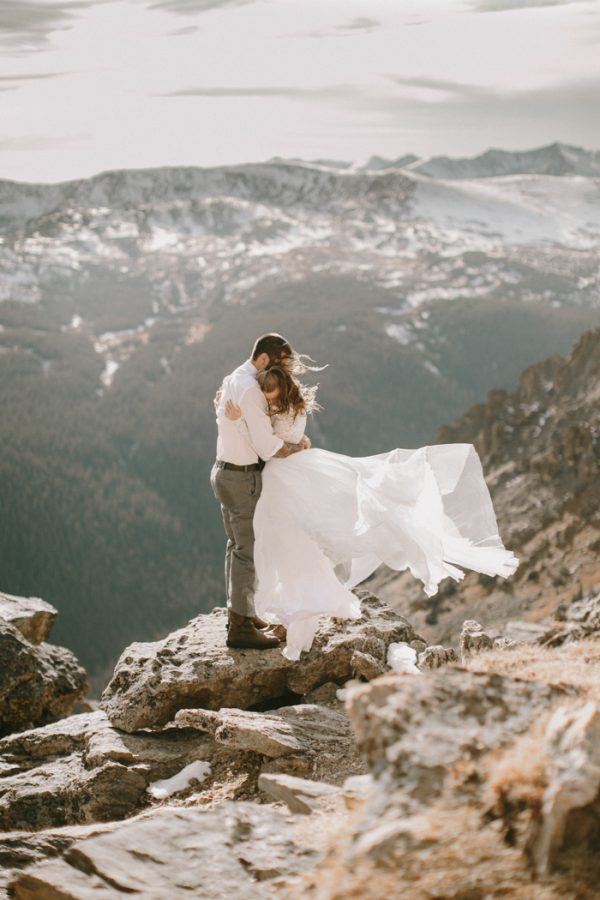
pixel 232 411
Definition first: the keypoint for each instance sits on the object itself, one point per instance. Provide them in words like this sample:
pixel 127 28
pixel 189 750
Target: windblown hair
pixel 294 397
pixel 299 364
pixel 276 346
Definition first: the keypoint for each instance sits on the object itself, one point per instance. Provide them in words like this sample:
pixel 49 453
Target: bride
pixel 324 521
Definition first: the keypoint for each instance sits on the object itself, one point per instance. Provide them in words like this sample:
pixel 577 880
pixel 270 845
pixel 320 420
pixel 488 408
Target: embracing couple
pixel 304 526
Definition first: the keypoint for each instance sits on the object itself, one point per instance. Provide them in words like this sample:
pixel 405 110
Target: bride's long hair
pixel 294 397
pixel 299 363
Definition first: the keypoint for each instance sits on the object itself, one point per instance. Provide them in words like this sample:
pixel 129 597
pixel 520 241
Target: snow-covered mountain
pixel 555 159
pixel 127 249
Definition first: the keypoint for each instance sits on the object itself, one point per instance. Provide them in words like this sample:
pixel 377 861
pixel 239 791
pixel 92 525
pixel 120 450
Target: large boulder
pixel 193 667
pixel 424 737
pixel 39 682
pixel 235 850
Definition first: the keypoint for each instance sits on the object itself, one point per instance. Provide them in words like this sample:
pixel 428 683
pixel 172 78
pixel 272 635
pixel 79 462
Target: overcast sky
pixel 91 85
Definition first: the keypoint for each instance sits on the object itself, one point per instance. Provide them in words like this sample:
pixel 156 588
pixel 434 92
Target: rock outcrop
pixel 305 728
pixel 39 682
pixel 414 731
pixel 575 621
pixel 83 769
pixel 483 786
pixel 479 784
pixel 230 852
pixel 192 667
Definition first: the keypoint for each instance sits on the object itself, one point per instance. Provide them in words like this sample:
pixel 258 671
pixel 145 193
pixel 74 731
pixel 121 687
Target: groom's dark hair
pixel 273 344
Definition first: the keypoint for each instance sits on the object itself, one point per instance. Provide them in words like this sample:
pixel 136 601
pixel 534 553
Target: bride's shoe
pixel 278 631
pixel 273 629
pixel 243 634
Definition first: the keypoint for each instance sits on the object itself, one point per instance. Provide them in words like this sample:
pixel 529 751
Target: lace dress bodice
pixel 289 428
pixel 285 426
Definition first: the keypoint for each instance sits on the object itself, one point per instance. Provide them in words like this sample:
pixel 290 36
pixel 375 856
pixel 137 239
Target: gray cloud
pixel 361 23
pixel 478 99
pixel 325 92
pixel 502 5
pixel 191 7
pixel 553 112
pixel 33 77
pixel 185 30
pixel 26 24
pixel 457 88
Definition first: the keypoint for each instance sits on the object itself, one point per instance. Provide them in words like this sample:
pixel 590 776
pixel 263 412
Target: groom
pixel 236 481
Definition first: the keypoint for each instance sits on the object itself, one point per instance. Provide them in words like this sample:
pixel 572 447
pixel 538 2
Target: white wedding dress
pixel 325 521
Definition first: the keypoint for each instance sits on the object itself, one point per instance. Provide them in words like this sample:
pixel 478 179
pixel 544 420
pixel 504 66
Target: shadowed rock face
pixel 39 682
pixel 81 770
pixel 192 667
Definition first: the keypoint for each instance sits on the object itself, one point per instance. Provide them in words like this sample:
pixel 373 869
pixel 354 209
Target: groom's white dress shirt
pixel 238 446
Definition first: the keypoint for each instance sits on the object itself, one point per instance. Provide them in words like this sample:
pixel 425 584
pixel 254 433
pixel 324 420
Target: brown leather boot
pixel 243 633
pixel 258 623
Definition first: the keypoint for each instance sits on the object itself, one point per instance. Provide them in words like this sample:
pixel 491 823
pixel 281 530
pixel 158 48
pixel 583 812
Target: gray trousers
pixel 238 493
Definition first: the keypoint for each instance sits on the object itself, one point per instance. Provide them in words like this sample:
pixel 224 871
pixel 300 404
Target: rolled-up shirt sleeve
pixel 260 429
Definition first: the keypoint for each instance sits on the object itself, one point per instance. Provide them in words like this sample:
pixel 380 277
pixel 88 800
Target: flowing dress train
pixel 324 522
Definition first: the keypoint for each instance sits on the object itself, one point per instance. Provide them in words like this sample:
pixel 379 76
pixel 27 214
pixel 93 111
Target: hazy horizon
pixel 244 162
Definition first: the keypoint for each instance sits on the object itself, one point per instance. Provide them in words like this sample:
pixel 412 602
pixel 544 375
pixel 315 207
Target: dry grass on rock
pixel 572 665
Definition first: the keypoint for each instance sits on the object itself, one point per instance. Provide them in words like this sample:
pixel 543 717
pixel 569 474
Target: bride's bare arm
pixel 289 448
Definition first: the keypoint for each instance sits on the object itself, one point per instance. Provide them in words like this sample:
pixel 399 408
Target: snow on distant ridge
pixel 555 159
pixel 519 209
